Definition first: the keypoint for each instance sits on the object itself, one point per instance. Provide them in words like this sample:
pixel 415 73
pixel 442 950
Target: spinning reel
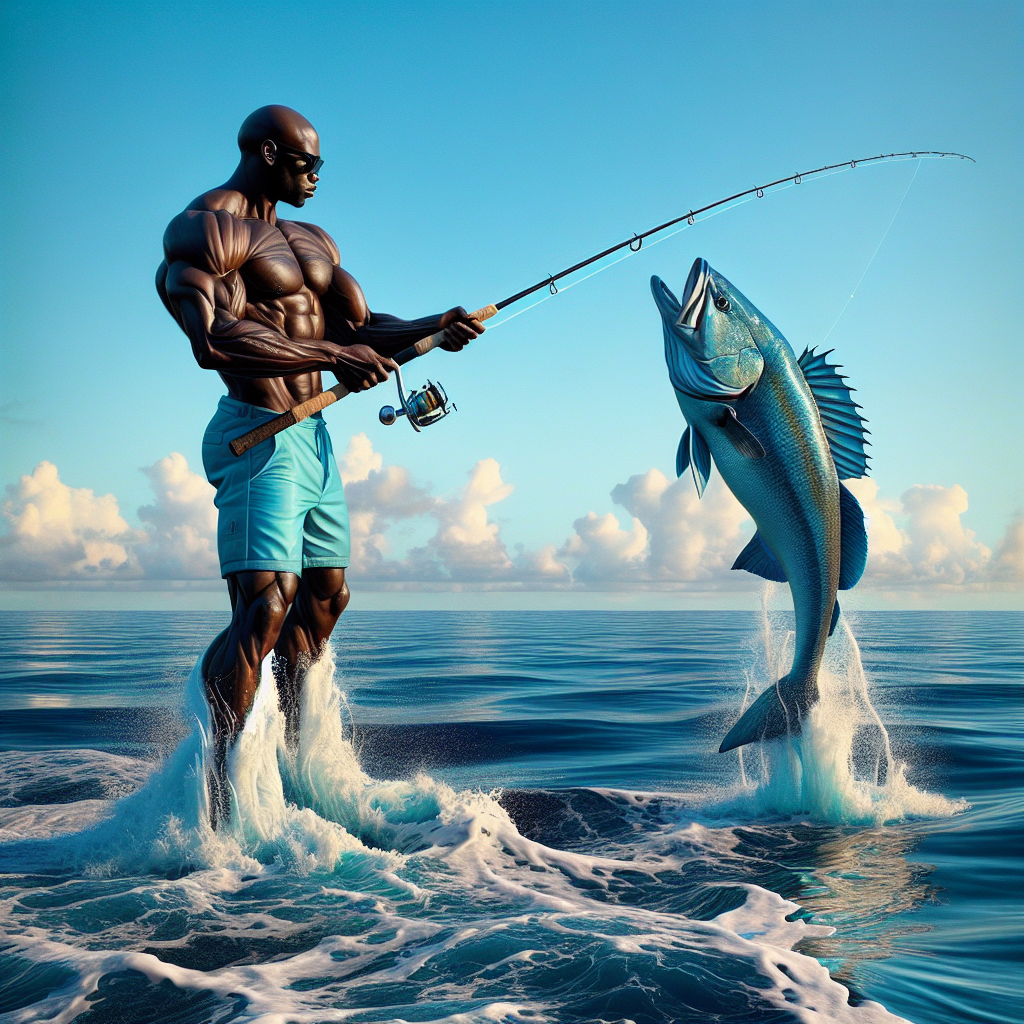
pixel 423 407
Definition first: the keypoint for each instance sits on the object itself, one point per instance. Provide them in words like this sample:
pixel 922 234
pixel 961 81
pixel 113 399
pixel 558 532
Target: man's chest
pixel 283 262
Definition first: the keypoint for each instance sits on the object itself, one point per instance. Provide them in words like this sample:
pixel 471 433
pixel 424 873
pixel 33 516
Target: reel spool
pixel 422 408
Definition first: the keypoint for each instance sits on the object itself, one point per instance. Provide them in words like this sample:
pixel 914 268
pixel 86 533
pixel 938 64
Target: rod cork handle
pixel 425 345
pixel 242 444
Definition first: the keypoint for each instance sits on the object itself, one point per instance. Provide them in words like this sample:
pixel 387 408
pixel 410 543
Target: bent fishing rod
pixel 431 403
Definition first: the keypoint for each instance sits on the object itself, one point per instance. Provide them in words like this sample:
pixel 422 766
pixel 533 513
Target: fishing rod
pixel 430 404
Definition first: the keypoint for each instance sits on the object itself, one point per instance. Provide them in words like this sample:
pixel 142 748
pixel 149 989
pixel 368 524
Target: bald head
pixel 282 125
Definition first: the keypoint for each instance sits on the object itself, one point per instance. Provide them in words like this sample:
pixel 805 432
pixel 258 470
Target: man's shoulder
pixel 220 200
pixel 209 234
pixel 301 230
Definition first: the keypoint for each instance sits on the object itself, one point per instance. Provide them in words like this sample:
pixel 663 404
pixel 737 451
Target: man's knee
pixel 322 598
pixel 328 588
pixel 264 601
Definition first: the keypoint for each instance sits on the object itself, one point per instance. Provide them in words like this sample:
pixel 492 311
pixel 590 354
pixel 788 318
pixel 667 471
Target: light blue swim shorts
pixel 281 504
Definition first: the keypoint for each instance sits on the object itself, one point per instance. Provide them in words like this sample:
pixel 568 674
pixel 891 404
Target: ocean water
pixel 515 817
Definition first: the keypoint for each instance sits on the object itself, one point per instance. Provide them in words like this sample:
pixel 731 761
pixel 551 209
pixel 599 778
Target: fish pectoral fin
pixel 757 558
pixel 741 437
pixel 853 540
pixel 683 453
pixel 835 618
pixel 700 460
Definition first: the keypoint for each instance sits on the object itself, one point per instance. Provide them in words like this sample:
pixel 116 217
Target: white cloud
pixel 57 532
pixel 541 568
pixel 1009 560
pixel 601 551
pixel 377 498
pixel 673 540
pixel 181 526
pixel 467 545
pixel 920 539
pixel 359 460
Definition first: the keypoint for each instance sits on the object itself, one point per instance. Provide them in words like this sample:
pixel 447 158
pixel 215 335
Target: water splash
pixel 841 769
pixel 431 892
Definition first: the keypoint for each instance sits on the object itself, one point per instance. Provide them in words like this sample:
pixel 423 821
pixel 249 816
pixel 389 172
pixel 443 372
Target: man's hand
pixel 359 368
pixel 459 329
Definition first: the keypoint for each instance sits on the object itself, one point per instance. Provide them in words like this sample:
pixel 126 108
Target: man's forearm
pixel 389 335
pixel 247 349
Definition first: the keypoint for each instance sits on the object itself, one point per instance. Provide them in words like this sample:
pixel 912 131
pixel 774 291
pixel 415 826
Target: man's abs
pixel 277 393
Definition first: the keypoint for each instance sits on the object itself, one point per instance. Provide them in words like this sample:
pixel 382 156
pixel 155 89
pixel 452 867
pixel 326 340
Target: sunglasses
pixel 311 164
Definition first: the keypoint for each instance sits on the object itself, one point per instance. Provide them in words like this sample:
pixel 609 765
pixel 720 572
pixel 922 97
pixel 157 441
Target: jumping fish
pixel 783 433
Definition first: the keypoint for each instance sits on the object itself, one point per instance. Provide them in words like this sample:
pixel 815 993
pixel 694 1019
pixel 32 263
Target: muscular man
pixel 267 305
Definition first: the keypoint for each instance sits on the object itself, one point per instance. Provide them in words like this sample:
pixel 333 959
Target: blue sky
pixel 469 150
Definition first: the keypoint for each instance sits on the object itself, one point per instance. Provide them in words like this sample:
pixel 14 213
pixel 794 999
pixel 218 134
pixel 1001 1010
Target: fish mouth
pixel 695 295
pixel 688 314
pixel 667 303
pixel 695 371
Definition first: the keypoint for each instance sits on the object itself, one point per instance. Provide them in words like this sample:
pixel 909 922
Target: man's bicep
pixel 206 307
pixel 346 299
pixel 189 286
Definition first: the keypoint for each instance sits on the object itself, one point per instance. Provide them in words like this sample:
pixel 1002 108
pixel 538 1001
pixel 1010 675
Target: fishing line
pixel 630 252
pixel 820 176
pixel 431 403
pixel 874 254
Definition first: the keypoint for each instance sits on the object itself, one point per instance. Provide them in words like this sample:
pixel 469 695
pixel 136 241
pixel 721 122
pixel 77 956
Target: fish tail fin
pixel 776 712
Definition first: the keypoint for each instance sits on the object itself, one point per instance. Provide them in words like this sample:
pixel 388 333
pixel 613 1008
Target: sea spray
pixel 330 893
pixel 840 769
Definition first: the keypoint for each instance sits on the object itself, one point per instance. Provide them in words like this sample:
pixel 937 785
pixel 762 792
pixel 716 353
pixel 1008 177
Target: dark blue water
pixel 517 816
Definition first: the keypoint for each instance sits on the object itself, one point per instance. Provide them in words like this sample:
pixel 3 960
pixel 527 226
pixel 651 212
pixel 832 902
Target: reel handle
pixel 240 445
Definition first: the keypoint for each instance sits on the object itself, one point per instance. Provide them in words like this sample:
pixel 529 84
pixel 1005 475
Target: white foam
pixel 312 821
pixel 841 768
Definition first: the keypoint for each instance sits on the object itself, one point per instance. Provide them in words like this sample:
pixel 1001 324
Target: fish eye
pixel 722 303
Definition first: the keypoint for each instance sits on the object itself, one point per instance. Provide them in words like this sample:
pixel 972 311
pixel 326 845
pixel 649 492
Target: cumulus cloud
pixel 467 544
pixel 359 460
pixel 377 499
pixel 181 525
pixel 601 551
pixel 57 532
pixel 1009 559
pixel 675 538
pixel 920 539
pixel 665 537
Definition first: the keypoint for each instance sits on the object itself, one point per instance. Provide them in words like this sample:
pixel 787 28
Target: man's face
pixel 293 168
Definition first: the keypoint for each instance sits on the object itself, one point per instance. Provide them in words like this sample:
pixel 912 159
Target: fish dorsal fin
pixel 758 559
pixel 854 540
pixel 683 453
pixel 844 425
pixel 700 460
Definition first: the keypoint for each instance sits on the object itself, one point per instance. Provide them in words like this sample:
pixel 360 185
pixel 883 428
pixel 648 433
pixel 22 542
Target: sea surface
pixel 515 817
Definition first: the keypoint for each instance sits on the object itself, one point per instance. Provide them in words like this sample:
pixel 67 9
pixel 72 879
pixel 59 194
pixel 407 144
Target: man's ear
pixel 269 151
